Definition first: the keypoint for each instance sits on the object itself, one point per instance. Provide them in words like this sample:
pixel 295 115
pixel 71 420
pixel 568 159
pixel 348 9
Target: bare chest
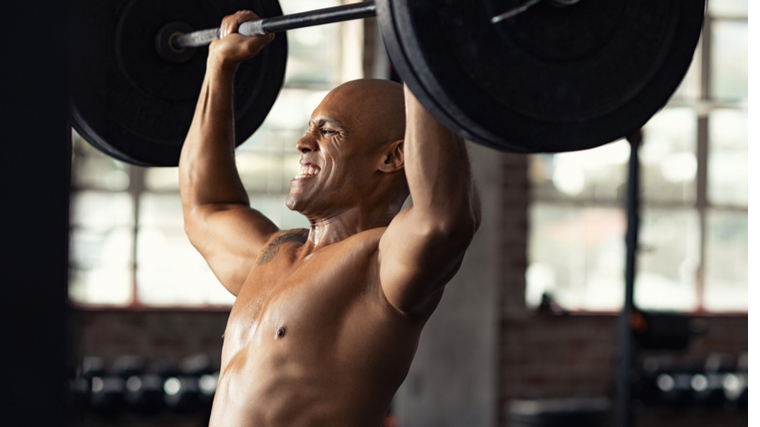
pixel 288 297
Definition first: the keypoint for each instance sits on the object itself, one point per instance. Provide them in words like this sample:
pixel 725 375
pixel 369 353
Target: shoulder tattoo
pixel 271 249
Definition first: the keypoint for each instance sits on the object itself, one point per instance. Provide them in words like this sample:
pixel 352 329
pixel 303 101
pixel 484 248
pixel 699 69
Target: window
pixel 694 224
pixel 128 246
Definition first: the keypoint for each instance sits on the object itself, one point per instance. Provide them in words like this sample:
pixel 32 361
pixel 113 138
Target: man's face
pixel 336 160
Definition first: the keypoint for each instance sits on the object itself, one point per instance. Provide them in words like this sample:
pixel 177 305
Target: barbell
pixel 522 76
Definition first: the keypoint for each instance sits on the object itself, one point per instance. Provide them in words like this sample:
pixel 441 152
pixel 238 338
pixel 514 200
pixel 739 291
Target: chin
pixel 296 202
pixel 291 202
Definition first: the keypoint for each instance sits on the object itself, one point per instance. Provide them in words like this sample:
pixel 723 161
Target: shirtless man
pixel 326 320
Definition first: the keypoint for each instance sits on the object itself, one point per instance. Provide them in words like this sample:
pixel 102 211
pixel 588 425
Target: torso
pixel 311 340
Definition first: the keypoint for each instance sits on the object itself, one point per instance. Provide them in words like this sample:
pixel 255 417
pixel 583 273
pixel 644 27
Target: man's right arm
pixel 218 218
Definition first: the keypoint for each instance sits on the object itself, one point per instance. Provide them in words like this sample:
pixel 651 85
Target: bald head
pixel 356 136
pixel 376 105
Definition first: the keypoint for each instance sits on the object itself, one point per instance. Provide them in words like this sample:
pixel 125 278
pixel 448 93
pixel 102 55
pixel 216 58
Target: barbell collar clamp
pixel 166 46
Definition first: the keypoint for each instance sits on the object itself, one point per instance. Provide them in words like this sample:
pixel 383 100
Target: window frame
pixel 702 105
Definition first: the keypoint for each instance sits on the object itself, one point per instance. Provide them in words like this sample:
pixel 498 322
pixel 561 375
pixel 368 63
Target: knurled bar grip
pixel 282 23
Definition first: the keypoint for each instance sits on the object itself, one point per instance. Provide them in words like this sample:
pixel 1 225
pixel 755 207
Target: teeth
pixel 306 171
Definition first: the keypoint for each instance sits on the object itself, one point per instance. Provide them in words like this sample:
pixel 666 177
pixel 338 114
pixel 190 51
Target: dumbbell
pixel 193 387
pixel 144 390
pixel 106 388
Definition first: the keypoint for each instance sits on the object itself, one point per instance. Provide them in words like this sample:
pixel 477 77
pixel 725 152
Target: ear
pixel 392 158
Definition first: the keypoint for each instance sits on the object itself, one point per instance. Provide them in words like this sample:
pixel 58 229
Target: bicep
pixel 417 258
pixel 229 237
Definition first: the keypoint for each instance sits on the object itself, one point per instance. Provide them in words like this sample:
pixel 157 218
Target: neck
pixel 346 223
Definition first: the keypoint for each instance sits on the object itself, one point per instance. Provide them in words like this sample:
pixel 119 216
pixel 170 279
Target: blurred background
pixel 529 322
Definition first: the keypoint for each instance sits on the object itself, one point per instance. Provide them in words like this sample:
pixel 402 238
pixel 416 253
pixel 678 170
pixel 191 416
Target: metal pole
pixel 282 23
pixel 626 345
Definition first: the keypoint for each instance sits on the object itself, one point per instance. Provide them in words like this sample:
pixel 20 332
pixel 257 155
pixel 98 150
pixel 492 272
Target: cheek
pixel 354 168
pixel 346 163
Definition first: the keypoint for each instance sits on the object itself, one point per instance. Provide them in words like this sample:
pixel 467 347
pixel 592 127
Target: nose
pixel 306 144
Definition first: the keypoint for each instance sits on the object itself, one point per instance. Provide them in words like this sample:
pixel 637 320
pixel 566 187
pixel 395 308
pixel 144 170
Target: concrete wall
pixel 453 379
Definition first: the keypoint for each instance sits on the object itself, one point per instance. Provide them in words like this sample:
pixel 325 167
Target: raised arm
pixel 218 218
pixel 424 245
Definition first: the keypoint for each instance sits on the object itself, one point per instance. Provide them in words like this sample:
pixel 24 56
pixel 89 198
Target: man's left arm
pixel 424 245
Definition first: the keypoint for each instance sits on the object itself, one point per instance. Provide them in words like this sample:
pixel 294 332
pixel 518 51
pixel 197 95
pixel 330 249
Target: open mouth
pixel 306 171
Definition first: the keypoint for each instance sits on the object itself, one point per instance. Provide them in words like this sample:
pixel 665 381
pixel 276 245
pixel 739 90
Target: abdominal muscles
pixel 303 374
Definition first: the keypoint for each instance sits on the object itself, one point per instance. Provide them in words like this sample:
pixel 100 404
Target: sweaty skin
pixel 327 319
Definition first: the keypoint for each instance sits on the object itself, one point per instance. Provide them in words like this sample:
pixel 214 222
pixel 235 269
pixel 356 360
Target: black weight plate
pixel 547 80
pixel 401 64
pixel 133 105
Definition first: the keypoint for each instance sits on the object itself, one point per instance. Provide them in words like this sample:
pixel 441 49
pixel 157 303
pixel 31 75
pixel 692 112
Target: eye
pixel 328 132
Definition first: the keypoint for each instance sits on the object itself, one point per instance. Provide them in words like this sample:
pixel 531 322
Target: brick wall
pixel 548 356
pixel 153 335
pixel 545 356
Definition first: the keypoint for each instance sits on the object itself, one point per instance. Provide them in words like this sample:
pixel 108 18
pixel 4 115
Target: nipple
pixel 280 332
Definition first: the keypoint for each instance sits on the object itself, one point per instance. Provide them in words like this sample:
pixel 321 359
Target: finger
pixel 253 45
pixel 230 23
pixel 224 28
pixel 227 27
pixel 245 15
pixel 258 42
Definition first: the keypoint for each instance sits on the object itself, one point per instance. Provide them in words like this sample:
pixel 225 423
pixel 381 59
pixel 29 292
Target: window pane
pixel 273 207
pixel 727 7
pixel 93 169
pixel 170 271
pixel 101 210
pixel 689 89
pixel 668 159
pixel 577 255
pixel 597 174
pixel 729 64
pixel 667 260
pixel 100 271
pixel 100 248
pixel 290 113
pixel 314 53
pixel 263 171
pixel 726 278
pixel 161 179
pixel 727 169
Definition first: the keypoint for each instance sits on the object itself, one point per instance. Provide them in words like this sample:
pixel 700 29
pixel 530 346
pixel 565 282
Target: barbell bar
pixel 329 15
pixel 282 23
pixel 560 75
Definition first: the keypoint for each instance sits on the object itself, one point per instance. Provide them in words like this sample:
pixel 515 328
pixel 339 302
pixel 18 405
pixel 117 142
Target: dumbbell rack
pixel 128 385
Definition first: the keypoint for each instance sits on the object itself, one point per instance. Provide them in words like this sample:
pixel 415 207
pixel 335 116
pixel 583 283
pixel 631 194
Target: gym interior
pixel 113 319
